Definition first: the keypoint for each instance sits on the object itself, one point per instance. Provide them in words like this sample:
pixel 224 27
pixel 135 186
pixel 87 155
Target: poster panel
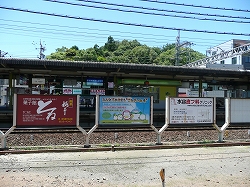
pixel 124 110
pixel 191 110
pixel 67 90
pixel 239 111
pixel 46 110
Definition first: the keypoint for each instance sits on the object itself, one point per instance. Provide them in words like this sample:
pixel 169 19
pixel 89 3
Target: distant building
pixel 235 54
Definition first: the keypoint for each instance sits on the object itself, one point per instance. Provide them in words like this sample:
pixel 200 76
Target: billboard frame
pixel 43 109
pixel 124 104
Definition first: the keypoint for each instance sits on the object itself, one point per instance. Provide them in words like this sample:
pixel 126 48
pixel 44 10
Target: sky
pixel 86 23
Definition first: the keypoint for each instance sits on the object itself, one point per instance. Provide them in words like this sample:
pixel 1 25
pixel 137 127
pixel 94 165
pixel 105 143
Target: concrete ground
pixel 200 166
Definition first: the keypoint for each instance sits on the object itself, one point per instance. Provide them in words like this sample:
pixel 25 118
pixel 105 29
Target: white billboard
pixel 239 110
pixel 190 110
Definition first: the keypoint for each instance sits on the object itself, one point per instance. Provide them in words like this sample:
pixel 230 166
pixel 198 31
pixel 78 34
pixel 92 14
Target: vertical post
pixel 3 140
pixel 227 119
pixel 162 175
pixel 115 88
pixel 158 139
pixel 221 135
pixel 87 141
pixel 200 87
pixel 177 46
pixel 10 94
pixel 30 82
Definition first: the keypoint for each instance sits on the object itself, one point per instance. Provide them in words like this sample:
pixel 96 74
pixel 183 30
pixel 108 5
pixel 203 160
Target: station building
pixel 88 79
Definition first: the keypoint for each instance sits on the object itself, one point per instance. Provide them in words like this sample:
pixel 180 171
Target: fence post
pixel 3 140
pixel 221 136
pixel 158 139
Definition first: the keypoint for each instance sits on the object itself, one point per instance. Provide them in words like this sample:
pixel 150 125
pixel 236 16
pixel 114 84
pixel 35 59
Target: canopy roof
pixel 125 70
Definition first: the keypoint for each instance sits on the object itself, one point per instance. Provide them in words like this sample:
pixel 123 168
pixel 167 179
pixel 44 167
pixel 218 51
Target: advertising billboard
pixel 46 110
pixel 191 110
pixel 239 110
pixel 124 110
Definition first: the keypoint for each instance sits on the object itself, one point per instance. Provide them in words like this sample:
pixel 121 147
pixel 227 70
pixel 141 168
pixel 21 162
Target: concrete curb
pixel 113 148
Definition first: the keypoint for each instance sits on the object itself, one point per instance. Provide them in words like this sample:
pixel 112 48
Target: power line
pixel 103 30
pixel 124 23
pixel 78 34
pixel 162 10
pixel 47 30
pixel 163 41
pixel 197 6
pixel 158 44
pixel 147 13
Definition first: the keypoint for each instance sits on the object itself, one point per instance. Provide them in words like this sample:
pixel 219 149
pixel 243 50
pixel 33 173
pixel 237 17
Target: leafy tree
pixel 126 45
pixel 59 54
pixel 168 47
pixel 143 55
pixel 166 58
pixel 101 59
pixel 90 55
pixel 74 48
pixel 70 53
pixel 98 50
pixel 111 44
pixel 127 51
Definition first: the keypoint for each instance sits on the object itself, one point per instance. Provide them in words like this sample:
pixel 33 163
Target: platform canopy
pixel 74 69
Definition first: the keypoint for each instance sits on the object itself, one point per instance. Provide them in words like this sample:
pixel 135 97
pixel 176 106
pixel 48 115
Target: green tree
pixel 90 55
pixel 168 47
pixel 166 58
pixel 142 55
pixel 127 51
pixel 58 55
pixel 111 44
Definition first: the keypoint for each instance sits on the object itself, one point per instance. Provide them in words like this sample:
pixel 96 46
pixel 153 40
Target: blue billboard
pixel 124 110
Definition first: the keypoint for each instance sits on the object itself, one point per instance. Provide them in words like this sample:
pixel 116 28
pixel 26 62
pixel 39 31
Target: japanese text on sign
pixel 46 110
pixel 191 110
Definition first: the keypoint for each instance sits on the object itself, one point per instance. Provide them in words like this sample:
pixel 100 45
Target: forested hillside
pixel 127 52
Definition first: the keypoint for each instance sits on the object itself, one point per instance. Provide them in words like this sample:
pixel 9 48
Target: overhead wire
pixel 157 43
pixel 140 33
pixel 122 23
pixel 147 13
pixel 63 32
pixel 161 10
pixel 197 6
pixel 104 30
pixel 130 57
pixel 78 34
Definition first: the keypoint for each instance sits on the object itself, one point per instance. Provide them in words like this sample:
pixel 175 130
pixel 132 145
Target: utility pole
pixel 178 46
pixel 41 49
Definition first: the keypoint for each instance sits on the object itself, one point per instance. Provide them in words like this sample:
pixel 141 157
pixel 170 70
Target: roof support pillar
pixel 200 86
